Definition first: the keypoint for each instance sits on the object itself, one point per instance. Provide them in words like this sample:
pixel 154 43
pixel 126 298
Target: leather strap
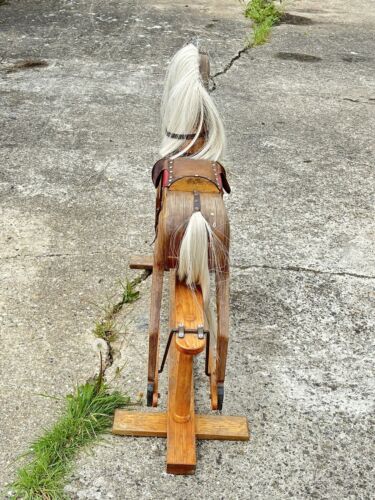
pixel 172 135
pixel 197 202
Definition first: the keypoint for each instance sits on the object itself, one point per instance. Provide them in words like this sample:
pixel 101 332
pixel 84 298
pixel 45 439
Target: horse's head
pixel 191 124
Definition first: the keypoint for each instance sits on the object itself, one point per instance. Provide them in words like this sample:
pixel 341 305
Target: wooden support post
pixel 184 379
pixel 186 308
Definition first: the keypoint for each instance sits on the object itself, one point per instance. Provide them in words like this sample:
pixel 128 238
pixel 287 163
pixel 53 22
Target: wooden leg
pixel 153 349
pixel 212 371
pixel 222 303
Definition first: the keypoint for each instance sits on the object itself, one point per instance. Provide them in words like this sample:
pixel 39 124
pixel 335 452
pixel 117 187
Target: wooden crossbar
pixel 141 262
pixel 213 427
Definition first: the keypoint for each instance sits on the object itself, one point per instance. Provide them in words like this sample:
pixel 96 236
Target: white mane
pixel 187 107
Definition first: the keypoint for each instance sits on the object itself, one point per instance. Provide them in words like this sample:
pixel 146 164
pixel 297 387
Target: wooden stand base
pixel 155 425
pixel 180 425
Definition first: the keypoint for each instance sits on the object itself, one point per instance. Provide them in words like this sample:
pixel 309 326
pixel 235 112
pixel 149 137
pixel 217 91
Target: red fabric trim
pixel 165 178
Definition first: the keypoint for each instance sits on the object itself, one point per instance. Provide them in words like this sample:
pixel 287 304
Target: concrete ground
pixel 79 136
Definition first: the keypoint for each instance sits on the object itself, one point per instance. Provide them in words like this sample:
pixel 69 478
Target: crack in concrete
pixel 46 255
pixel 350 99
pixel 228 66
pixel 118 307
pixel 303 270
pixel 143 277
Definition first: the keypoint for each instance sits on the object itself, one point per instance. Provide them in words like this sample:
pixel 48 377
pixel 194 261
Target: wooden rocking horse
pixel 192 240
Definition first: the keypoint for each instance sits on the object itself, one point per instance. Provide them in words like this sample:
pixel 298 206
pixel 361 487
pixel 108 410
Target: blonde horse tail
pixel 193 265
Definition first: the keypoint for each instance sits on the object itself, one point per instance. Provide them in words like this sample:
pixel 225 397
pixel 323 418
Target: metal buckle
pixel 181 331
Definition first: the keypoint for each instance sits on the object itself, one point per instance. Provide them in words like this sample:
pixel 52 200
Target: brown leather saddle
pixel 169 171
pixel 170 174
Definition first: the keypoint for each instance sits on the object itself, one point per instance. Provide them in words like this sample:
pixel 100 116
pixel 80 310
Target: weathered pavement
pixel 78 139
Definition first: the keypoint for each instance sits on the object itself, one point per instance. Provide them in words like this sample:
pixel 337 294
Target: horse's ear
pixel 204 68
pixel 157 171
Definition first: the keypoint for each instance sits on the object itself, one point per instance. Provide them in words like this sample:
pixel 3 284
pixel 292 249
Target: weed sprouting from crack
pixel 106 328
pixel 264 14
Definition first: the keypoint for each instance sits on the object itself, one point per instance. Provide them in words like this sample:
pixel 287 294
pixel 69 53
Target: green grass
pixel 130 294
pixel 264 15
pixel 105 328
pixel 88 414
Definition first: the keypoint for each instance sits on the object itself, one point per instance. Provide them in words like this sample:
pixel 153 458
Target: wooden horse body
pixel 186 185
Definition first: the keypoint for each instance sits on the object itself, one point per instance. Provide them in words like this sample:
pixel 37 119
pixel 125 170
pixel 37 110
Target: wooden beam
pixel 186 307
pixel 214 427
pixel 141 262
pixel 189 313
pixel 127 423
pixel 181 454
pixel 221 427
